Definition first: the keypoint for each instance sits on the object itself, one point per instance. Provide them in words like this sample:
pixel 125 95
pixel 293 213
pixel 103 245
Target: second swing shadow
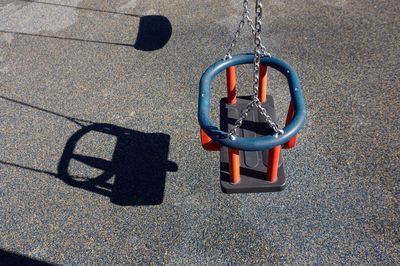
pixel 154 33
pixel 154 30
pixel 139 164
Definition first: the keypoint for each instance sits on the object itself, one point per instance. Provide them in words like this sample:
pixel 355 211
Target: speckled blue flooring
pixel 100 160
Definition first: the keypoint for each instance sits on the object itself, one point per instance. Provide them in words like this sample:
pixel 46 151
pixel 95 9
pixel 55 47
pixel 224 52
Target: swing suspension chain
pixel 245 18
pixel 259 51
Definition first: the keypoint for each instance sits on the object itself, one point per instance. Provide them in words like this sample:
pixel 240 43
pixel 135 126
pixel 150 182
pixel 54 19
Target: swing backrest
pixel 259 143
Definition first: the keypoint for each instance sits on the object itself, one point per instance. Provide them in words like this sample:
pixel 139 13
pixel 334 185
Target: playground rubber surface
pixel 100 158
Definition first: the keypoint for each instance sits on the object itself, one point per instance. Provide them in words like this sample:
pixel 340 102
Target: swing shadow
pixel 139 164
pixel 11 258
pixel 154 30
pixel 136 173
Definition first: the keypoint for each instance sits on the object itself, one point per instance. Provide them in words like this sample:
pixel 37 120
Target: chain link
pixel 259 52
pixel 245 18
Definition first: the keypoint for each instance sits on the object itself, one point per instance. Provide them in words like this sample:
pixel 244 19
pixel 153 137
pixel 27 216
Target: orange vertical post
pixel 273 163
pixel 234 165
pixel 262 83
pixel 273 154
pixel 207 143
pixel 231 84
pixel 292 142
pixel 234 156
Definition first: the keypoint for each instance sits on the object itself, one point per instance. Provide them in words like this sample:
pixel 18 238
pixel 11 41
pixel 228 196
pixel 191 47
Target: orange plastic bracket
pixel 207 142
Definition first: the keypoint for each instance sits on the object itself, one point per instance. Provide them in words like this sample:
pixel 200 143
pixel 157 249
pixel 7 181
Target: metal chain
pixel 245 18
pixel 259 51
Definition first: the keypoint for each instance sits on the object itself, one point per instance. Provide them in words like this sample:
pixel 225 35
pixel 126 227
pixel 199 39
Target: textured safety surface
pixel 72 83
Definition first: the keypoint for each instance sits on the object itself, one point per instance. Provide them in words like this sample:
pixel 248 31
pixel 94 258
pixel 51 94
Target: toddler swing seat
pixel 249 140
pixel 250 161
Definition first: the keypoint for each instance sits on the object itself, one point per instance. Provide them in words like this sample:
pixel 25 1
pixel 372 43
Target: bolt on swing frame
pixel 213 138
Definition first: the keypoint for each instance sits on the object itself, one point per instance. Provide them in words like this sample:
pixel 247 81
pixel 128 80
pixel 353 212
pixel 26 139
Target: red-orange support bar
pixel 231 84
pixel 273 154
pixel 234 156
pixel 207 142
pixel 292 142
pixel 273 163
pixel 262 83
pixel 234 165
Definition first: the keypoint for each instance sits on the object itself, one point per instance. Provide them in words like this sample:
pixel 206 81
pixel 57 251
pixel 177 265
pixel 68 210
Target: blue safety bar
pixel 258 143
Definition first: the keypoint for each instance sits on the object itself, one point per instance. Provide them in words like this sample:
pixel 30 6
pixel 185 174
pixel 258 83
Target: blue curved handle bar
pixel 258 143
